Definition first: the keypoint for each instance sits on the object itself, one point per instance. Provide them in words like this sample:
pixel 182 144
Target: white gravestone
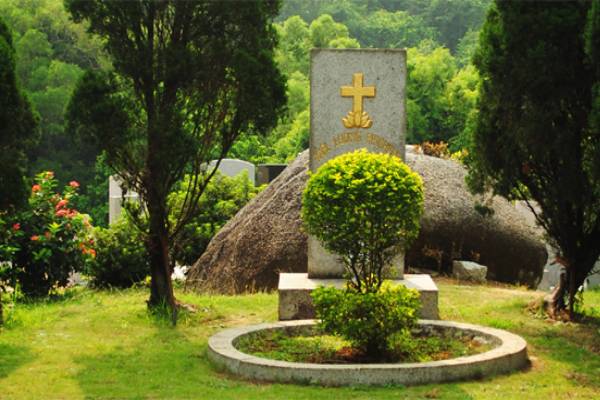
pixel 232 167
pixel 116 198
pixel 357 101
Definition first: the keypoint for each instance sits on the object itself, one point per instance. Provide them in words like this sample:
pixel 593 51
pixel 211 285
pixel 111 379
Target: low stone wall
pixel 510 355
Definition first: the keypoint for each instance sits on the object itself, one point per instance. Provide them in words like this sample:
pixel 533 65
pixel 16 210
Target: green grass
pixel 105 345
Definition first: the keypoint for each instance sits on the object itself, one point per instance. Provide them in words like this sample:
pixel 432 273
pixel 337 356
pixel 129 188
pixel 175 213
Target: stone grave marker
pixel 232 167
pixel 358 100
pixel 115 198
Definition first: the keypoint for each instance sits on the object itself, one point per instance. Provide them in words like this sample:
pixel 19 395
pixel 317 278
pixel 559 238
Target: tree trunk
pixel 161 288
pixel 570 281
pixel 556 299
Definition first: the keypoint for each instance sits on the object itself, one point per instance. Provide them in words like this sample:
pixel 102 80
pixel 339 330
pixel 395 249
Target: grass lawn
pixel 105 345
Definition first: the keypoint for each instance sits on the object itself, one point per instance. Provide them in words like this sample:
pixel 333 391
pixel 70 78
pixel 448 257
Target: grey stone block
pixel 295 302
pixel 469 271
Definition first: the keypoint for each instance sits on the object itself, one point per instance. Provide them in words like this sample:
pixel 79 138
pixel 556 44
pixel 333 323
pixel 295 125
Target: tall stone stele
pixel 358 100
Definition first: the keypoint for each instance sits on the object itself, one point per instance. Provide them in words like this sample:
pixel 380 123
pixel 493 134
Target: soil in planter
pixel 311 346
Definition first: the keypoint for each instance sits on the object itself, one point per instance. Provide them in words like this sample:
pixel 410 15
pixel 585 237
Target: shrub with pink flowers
pixel 54 239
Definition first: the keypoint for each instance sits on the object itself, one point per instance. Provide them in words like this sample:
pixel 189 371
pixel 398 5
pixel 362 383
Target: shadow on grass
pixel 12 357
pixel 167 365
pixel 574 344
pixel 584 364
pixel 162 365
pixel 62 296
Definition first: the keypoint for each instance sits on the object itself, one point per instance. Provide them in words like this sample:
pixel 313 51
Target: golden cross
pixel 358 91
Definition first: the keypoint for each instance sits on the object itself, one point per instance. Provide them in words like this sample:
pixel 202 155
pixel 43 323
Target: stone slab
pixel 323 264
pixel 469 270
pixel 232 167
pixel 295 288
pixel 335 76
pixel 116 198
pixel 332 69
pixel 510 354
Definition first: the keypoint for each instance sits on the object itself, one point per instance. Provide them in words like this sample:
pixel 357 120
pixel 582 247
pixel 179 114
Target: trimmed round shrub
pixel 365 207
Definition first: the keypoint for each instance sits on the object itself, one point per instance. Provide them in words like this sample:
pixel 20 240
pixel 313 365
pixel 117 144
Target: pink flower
pixel 62 213
pixel 35 238
pixel 61 204
pixel 74 184
pixel 16 226
pixel 36 188
pixel 49 174
pixel 92 253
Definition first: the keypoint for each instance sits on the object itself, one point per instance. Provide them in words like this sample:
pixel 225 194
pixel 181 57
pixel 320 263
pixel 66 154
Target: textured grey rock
pixel 507 242
pixel 469 270
pixel 262 239
pixel 265 237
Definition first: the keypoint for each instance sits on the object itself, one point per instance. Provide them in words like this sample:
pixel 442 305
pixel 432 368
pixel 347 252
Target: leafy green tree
pixel 51 53
pixel 461 99
pixel 399 29
pixel 17 127
pixel 466 47
pixel 294 43
pixel 17 132
pixel 537 137
pixel 344 43
pixel 453 18
pixel 223 198
pixel 364 207
pixel 324 29
pixel 34 54
pixel 189 78
pixel 429 72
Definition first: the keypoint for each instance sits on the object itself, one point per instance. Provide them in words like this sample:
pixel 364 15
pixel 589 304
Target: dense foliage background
pixel 52 52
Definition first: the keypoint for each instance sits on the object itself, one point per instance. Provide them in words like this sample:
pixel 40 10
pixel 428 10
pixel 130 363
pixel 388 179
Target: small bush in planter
pixel 365 207
pixel 367 320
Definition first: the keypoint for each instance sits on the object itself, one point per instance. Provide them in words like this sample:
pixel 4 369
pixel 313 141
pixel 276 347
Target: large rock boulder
pixel 452 228
pixel 266 236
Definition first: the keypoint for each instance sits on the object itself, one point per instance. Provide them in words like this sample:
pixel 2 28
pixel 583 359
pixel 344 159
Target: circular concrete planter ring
pixel 509 355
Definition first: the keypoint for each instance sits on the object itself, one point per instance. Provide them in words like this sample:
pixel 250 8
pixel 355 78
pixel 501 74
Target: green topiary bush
pixel 364 207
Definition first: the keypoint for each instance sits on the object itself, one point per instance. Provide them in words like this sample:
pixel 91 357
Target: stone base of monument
pixel 295 301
